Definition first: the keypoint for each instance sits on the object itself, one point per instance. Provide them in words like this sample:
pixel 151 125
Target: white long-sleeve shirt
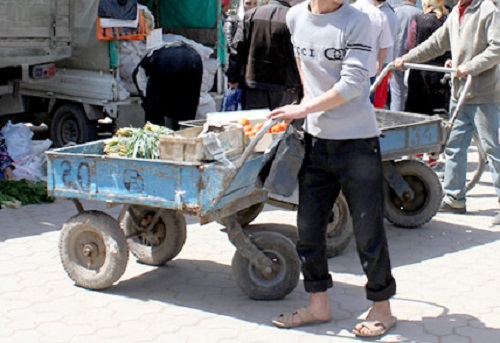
pixel 380 31
pixel 334 50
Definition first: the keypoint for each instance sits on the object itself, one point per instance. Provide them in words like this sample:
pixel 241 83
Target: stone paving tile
pixel 447 286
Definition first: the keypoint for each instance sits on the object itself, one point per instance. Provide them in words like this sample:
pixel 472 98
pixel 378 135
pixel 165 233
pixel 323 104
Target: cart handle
pixel 417 66
pixel 253 143
pixel 229 177
pixel 428 67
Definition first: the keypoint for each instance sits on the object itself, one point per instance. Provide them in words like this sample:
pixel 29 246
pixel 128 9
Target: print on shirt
pixel 332 54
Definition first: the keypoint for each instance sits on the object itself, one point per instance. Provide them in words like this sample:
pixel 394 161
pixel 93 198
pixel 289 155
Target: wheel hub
pixel 153 236
pixel 272 274
pixel 90 250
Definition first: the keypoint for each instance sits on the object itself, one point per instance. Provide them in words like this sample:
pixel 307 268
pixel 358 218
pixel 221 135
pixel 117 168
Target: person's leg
pixel 398 91
pixel 253 98
pixel 282 98
pixel 456 159
pixel 171 123
pixel 361 180
pixel 318 190
pixel 487 122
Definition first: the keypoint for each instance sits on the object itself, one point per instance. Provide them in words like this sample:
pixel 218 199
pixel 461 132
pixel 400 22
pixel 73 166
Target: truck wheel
pixel 428 195
pixel 93 249
pixel 246 216
pixel 339 231
pixel 159 244
pixel 286 268
pixel 69 123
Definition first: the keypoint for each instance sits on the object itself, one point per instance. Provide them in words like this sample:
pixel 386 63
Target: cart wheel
pixel 339 231
pixel 93 249
pixel 246 216
pixel 428 195
pixel 162 242
pixel 286 268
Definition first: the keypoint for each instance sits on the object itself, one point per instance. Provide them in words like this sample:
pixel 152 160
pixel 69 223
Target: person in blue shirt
pixel 6 166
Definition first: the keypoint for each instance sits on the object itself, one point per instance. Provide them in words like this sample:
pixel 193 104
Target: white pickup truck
pixel 77 85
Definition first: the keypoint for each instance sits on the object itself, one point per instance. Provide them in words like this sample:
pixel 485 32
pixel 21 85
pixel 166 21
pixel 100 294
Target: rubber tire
pixel 481 166
pixel 249 279
pixel 246 216
pixel 428 196
pixel 102 230
pixel 170 244
pixel 69 123
pixel 339 232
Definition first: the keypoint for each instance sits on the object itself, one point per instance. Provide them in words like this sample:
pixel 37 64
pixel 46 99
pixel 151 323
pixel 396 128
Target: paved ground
pixel 447 274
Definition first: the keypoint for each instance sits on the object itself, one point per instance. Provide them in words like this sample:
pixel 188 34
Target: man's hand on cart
pixel 399 63
pixel 462 71
pixel 289 112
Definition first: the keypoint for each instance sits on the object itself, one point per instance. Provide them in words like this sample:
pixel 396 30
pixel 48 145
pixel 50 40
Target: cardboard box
pixel 188 146
pixel 254 116
pixel 220 118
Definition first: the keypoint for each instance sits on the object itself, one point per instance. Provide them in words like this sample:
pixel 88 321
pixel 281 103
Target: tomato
pixel 243 121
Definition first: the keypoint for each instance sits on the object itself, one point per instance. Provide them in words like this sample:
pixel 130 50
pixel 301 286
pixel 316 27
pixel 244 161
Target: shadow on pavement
pixel 408 246
pixel 208 286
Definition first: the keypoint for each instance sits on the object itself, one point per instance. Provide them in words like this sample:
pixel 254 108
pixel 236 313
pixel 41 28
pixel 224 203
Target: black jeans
pixel 355 167
pixel 256 98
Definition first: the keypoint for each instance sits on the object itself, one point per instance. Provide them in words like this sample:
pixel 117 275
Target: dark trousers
pixel 255 98
pixel 355 167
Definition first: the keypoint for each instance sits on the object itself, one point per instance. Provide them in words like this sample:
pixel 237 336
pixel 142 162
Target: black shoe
pixel 445 207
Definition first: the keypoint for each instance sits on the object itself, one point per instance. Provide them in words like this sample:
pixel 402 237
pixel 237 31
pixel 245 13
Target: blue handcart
pixel 94 246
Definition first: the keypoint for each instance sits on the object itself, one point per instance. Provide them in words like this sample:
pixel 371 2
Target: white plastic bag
pixel 18 139
pixel 31 168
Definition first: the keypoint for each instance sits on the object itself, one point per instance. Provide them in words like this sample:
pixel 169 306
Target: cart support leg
pixel 246 248
pixel 78 205
pixel 397 182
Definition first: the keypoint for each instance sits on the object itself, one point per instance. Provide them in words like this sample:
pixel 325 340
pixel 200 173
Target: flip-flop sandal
pixel 375 328
pixel 285 321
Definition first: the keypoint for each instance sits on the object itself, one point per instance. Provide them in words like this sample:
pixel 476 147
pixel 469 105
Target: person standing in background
pixel 472 34
pixel 6 162
pixel 249 4
pixel 428 85
pixel 230 25
pixel 423 84
pixel 263 66
pixel 381 92
pixel 405 13
pixel 174 74
pixel 381 37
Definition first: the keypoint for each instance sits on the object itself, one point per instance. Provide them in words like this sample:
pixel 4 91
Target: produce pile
pixel 23 192
pixel 251 130
pixel 136 142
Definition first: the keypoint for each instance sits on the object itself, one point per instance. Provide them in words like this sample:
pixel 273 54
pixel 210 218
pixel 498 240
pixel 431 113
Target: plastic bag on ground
pixel 18 139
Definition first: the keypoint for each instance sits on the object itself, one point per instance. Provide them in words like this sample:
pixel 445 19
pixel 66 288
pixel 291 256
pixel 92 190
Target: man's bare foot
pixel 319 307
pixel 378 321
pixel 317 312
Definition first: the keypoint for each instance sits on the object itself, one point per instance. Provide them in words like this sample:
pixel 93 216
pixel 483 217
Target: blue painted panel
pixel 393 141
pixel 423 135
pixel 83 172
